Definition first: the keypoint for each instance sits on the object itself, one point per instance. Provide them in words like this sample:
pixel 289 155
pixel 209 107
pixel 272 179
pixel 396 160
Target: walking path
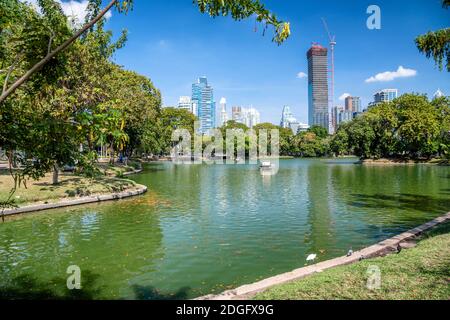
pixel 389 245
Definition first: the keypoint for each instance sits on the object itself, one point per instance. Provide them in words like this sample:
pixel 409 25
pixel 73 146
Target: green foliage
pixel 319 131
pixel 409 127
pixel 157 134
pixel 76 102
pixel 241 9
pixel 436 44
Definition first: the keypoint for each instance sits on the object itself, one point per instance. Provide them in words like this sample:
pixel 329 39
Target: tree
pixel 384 121
pixel 52 53
pixel 157 135
pixel 319 131
pixel 361 135
pixel 409 127
pixel 436 44
pixel 340 142
pixel 238 9
pixel 138 99
pixel 419 127
pixel 442 106
pixel 309 145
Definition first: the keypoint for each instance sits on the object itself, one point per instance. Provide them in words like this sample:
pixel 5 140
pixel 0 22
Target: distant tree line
pixel 410 127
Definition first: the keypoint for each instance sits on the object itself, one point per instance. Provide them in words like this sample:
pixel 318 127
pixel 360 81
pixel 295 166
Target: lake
pixel 204 229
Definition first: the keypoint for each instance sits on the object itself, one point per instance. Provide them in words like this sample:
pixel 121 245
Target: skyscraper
pixel 236 114
pixel 353 104
pixel 203 98
pixel 287 117
pixel 336 111
pixel 289 121
pixel 250 117
pixel 223 112
pixel 185 103
pixel 318 86
pixel 385 95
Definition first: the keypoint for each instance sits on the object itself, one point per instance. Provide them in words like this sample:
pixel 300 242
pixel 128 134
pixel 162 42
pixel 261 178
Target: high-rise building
pixel 345 116
pixel 318 86
pixel 203 98
pixel 385 95
pixel 185 103
pixel 250 117
pixel 223 112
pixel 287 117
pixel 236 114
pixel 289 121
pixel 341 115
pixel 335 116
pixel 353 104
pixel 302 127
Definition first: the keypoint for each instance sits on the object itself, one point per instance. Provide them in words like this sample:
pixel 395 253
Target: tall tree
pixel 238 9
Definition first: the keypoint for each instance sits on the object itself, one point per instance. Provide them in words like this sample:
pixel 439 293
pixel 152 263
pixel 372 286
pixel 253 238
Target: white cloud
pixel 73 9
pixel 344 96
pixel 301 75
pixel 392 75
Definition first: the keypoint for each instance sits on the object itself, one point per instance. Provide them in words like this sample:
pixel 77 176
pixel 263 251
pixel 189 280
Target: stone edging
pixel 247 291
pixel 132 172
pixel 75 202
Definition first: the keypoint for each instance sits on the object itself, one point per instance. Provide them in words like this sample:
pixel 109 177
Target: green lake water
pixel 203 229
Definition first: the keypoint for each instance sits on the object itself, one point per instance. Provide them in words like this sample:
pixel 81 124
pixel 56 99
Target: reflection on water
pixel 203 229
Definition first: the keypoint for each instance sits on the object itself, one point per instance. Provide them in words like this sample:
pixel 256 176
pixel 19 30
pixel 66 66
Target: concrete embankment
pixel 140 189
pixel 389 245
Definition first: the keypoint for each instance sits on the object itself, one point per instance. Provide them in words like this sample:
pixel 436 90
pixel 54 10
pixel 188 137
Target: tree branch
pixel 52 54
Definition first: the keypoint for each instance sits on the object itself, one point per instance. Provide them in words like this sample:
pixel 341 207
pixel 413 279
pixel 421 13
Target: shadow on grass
pixel 78 186
pixel 404 201
pixel 64 183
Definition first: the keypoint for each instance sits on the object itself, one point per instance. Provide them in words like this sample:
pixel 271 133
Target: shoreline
pixel 247 291
pixel 399 162
pixel 140 189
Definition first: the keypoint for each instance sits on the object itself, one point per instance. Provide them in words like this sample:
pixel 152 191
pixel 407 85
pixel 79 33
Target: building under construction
pixel 318 86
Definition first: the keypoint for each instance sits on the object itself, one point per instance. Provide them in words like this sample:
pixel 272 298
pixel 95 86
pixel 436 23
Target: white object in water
pixel 311 257
pixel 266 164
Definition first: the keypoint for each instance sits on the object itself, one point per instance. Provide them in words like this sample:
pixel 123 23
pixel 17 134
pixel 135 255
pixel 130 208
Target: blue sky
pixel 173 44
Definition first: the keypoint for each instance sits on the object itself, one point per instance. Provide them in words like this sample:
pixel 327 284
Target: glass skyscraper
pixel 353 104
pixel 318 86
pixel 203 97
pixel 385 95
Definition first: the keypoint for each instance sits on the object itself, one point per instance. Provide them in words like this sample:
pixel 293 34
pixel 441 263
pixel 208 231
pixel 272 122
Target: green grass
pixel 70 186
pixel 419 273
pixel 118 170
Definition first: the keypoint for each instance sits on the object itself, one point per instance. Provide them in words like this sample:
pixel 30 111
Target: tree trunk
pixel 52 54
pixel 112 155
pixel 55 174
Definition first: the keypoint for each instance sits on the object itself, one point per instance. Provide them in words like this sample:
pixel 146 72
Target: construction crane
pixel 333 43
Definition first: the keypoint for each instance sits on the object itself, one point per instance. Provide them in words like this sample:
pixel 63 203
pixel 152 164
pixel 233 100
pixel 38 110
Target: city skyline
pixel 248 68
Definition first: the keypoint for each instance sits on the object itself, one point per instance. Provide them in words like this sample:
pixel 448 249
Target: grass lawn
pixel 70 186
pixel 421 273
pixel 118 170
